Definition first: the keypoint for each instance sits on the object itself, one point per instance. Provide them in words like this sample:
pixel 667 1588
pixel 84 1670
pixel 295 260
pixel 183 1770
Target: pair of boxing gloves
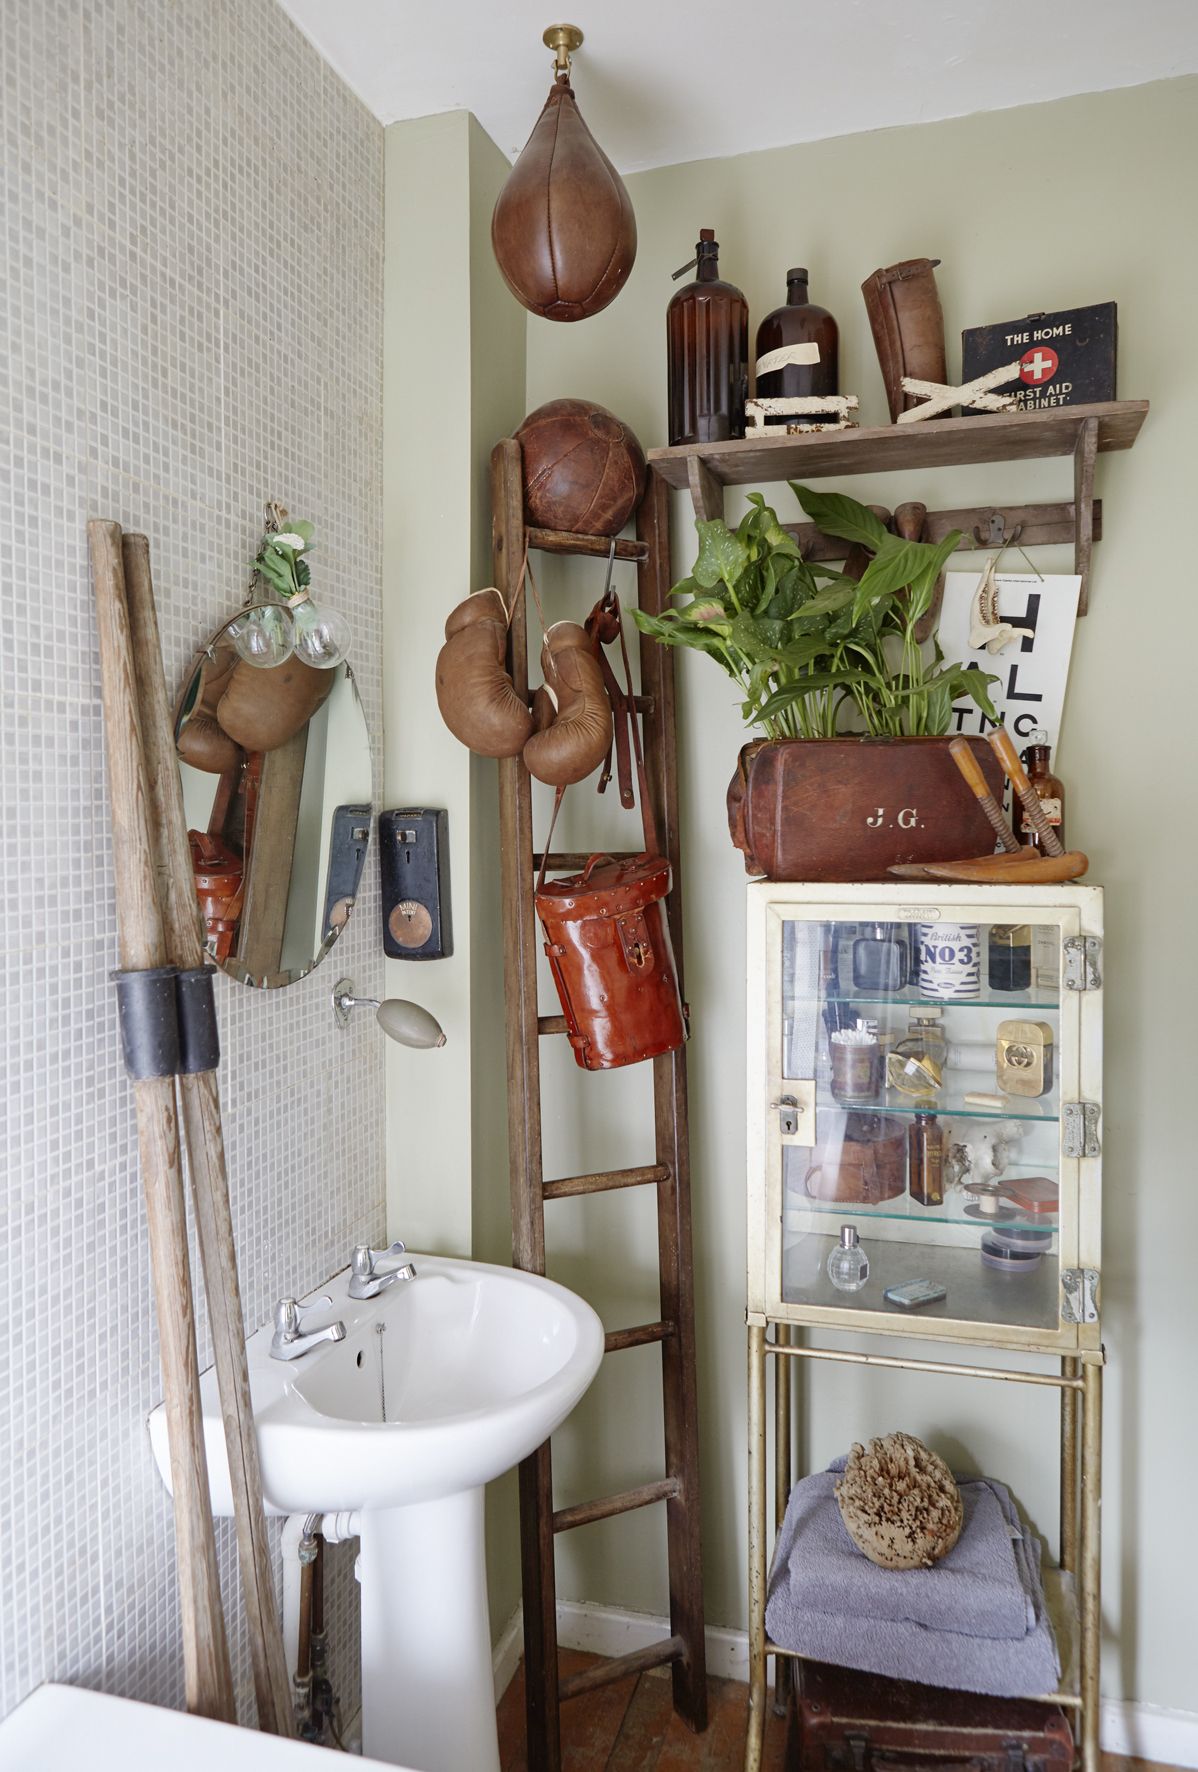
pixel 565 734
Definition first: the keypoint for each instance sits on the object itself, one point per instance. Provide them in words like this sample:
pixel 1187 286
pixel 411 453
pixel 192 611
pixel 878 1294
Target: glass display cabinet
pixel 924 1145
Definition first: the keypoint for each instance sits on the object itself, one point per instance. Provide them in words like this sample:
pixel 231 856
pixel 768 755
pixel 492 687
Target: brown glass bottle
pixel 1036 759
pixel 707 342
pixel 925 1160
pixel 800 322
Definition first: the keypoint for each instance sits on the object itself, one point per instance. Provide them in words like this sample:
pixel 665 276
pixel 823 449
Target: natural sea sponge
pixel 900 1503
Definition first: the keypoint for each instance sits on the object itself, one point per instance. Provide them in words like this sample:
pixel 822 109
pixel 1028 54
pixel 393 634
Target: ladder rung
pixel 621 1666
pixel 616 1340
pixel 551 1024
pixel 557 541
pixel 604 1181
pixel 571 859
pixel 587 1512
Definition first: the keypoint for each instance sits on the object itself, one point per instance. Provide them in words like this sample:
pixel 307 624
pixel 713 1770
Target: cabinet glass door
pixel 914 1139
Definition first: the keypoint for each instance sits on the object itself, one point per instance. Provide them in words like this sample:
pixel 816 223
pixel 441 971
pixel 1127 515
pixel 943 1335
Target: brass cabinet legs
pixel 1090 1597
pixel 1070 1418
pixel 1081 1509
pixel 755 1740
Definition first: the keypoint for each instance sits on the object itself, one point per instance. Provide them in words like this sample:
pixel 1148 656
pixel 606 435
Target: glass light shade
pixel 322 636
pixel 409 1023
pixel 263 636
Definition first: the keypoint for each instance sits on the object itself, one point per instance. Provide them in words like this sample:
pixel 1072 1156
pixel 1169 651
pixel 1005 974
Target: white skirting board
pixel 1141 1731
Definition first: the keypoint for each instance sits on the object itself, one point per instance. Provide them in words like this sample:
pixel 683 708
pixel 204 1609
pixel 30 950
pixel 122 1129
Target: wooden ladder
pixel 669 1172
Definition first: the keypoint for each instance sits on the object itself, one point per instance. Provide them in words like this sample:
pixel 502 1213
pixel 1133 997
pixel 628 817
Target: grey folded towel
pixel 1024 1666
pixel 977 1589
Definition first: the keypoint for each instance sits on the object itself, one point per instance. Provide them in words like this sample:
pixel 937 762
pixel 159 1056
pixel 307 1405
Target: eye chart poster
pixel 1032 664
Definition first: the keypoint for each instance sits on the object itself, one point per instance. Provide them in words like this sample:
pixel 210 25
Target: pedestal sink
pixel 442 1383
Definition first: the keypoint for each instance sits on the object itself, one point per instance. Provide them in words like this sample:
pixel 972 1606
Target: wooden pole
pixel 200 1103
pixel 208 1676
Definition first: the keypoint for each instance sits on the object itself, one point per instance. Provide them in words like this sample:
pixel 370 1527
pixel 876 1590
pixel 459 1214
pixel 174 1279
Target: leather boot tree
pixel 907 322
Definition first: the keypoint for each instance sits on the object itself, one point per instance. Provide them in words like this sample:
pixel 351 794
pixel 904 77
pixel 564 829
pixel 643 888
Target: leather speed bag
pixel 563 230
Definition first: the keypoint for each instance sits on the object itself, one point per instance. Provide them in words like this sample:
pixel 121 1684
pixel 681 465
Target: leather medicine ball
pixel 584 470
pixel 563 230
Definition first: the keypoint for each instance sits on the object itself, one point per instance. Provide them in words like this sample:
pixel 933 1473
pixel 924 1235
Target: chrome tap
pixel 290 1339
pixel 367 1281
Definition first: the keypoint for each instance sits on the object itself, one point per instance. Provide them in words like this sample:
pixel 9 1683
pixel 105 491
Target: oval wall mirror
pixel 277 791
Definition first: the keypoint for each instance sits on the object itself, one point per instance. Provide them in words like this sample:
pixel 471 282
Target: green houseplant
pixel 821 656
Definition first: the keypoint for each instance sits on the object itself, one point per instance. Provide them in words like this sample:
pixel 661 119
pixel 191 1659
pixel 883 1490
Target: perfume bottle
pixel 1046 957
pixel 1036 759
pixel 1010 961
pixel 925 1160
pixel 925 1036
pixel 880 961
pixel 848 1264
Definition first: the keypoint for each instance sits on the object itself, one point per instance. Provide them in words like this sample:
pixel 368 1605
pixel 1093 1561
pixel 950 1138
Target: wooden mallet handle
pixel 962 755
pixel 1001 744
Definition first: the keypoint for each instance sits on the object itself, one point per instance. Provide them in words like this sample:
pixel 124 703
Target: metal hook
pixel 611 561
pixel 996 532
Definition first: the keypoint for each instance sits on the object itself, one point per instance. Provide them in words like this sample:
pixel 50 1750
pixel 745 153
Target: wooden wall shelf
pixel 883 449
pixel 1080 431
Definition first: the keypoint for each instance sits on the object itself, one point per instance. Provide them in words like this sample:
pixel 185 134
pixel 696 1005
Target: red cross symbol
pixel 1039 365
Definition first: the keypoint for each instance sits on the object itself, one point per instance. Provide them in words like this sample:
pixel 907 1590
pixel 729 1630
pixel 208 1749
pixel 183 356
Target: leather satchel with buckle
pixel 606 929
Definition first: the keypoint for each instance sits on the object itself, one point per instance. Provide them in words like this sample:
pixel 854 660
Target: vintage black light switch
pixel 414 859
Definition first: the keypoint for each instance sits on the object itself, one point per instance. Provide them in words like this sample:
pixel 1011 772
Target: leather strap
pixel 604 624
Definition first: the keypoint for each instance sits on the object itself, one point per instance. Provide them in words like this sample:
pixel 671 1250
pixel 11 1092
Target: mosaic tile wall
pixel 190 323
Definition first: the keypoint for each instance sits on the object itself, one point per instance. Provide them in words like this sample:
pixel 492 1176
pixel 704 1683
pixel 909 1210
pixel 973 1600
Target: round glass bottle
pixel 707 344
pixel 848 1264
pixel 798 322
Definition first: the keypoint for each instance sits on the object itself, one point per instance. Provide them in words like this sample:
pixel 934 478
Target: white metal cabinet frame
pixel 1075 1346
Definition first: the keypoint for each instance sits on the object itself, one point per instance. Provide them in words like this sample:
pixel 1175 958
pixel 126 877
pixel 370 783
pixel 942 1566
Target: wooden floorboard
pixel 631 1727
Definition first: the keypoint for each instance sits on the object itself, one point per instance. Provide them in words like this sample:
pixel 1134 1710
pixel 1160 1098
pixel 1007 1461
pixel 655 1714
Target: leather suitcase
pixel 845 1721
pixel 846 808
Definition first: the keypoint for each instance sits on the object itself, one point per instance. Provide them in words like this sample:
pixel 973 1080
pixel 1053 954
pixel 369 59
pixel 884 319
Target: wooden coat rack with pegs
pixel 1083 432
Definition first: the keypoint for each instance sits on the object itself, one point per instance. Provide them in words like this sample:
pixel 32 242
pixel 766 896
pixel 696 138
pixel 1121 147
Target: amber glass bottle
pixel 800 322
pixel 707 340
pixel 925 1160
pixel 1036 760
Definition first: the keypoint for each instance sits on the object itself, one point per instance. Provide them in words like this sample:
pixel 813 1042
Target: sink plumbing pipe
pixel 303 1614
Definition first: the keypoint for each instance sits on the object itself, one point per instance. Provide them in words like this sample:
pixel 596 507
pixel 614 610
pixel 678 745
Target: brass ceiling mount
pixel 563 40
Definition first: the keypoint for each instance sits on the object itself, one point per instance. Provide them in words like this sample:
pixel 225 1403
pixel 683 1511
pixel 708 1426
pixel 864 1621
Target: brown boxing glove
pixel 474 691
pixel 574 701
pixel 262 709
pixel 201 740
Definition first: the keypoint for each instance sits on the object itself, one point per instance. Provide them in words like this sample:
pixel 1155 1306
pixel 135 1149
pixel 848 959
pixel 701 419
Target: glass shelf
pixel 1036 998
pixel 948 1103
pixel 975 1293
pixel 799 1205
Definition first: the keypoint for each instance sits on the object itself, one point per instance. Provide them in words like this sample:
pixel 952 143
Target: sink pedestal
pixel 428 1694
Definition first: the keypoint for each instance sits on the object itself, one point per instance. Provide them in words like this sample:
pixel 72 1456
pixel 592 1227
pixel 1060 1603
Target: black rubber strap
pixel 149 1021
pixel 199 1036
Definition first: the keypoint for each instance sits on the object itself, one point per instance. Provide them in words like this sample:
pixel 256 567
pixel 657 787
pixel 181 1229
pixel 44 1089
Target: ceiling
pixel 663 81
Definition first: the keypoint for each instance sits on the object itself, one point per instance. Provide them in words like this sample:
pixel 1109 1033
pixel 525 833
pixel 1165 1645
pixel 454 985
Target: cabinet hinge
pixel 1079 1129
pixel 1079 1295
pixel 1082 971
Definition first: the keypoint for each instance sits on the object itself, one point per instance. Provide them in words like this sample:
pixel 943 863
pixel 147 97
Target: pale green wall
pixel 454 370
pixel 1051 206
pixel 1046 207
